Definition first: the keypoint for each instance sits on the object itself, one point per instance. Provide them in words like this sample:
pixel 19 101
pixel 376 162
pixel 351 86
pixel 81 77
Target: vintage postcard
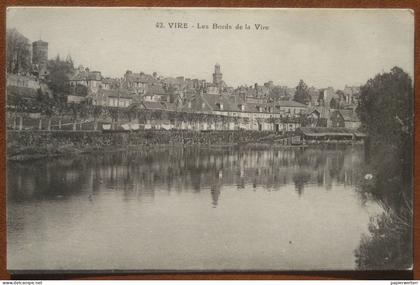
pixel 209 139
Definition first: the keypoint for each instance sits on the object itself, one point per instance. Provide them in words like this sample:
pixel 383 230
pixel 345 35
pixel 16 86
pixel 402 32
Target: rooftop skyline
pixel 323 47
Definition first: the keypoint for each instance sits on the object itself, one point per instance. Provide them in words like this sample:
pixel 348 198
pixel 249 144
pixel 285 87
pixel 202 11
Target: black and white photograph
pixel 209 139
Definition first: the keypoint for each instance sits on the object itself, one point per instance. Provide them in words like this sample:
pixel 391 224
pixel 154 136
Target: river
pixel 188 209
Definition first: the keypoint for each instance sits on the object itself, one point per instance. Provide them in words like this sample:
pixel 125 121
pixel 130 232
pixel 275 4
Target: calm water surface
pixel 191 208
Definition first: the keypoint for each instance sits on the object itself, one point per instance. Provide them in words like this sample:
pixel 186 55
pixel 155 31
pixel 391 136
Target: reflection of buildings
pixel 190 169
pixel 215 193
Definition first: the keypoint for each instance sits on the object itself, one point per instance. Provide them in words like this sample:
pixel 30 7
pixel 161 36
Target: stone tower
pixel 39 53
pixel 217 76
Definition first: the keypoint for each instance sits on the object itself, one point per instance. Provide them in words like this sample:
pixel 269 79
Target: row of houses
pixel 284 115
pixel 257 113
pixel 237 113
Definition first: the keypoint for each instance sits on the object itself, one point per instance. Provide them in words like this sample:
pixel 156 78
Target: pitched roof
pixel 172 80
pixel 349 115
pixel 86 75
pixel 211 102
pixel 196 103
pixel 208 103
pixel 140 77
pixel 214 102
pixel 94 75
pixel 290 103
pixel 122 93
pixel 272 107
pixel 323 111
pixel 256 107
pixel 155 89
pixel 108 80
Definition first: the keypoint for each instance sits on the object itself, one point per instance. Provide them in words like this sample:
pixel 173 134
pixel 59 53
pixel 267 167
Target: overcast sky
pixel 322 47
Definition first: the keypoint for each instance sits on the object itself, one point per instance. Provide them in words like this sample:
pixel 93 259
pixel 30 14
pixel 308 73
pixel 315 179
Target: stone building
pixel 40 58
pixel 113 98
pixel 91 79
pixel 351 94
pixel 39 53
pixel 345 119
pixel 22 81
pixel 138 82
pixel 217 76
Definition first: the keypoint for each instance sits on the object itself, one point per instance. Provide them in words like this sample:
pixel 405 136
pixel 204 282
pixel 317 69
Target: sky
pixel 327 47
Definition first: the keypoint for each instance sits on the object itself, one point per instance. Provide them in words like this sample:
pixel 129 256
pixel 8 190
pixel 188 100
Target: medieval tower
pixel 217 76
pixel 39 53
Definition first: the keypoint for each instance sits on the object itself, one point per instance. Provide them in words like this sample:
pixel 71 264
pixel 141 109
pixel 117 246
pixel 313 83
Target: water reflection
pixel 189 208
pixel 182 169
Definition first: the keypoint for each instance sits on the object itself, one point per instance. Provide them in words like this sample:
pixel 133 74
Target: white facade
pixel 119 102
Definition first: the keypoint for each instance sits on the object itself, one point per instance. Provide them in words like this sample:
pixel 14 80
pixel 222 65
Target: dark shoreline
pixel 29 146
pixel 26 155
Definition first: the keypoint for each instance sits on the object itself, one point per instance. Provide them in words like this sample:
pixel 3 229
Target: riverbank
pixel 30 145
pixel 33 145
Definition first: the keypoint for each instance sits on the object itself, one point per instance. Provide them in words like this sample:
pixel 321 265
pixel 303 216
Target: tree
pixel 81 90
pixel 18 55
pixel 59 73
pixel 334 104
pixel 17 105
pixel 386 106
pixel 301 93
pixel 69 60
pixel 341 96
pixel 386 112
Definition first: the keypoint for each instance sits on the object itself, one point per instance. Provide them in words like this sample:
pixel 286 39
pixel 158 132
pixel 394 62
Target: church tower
pixel 217 76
